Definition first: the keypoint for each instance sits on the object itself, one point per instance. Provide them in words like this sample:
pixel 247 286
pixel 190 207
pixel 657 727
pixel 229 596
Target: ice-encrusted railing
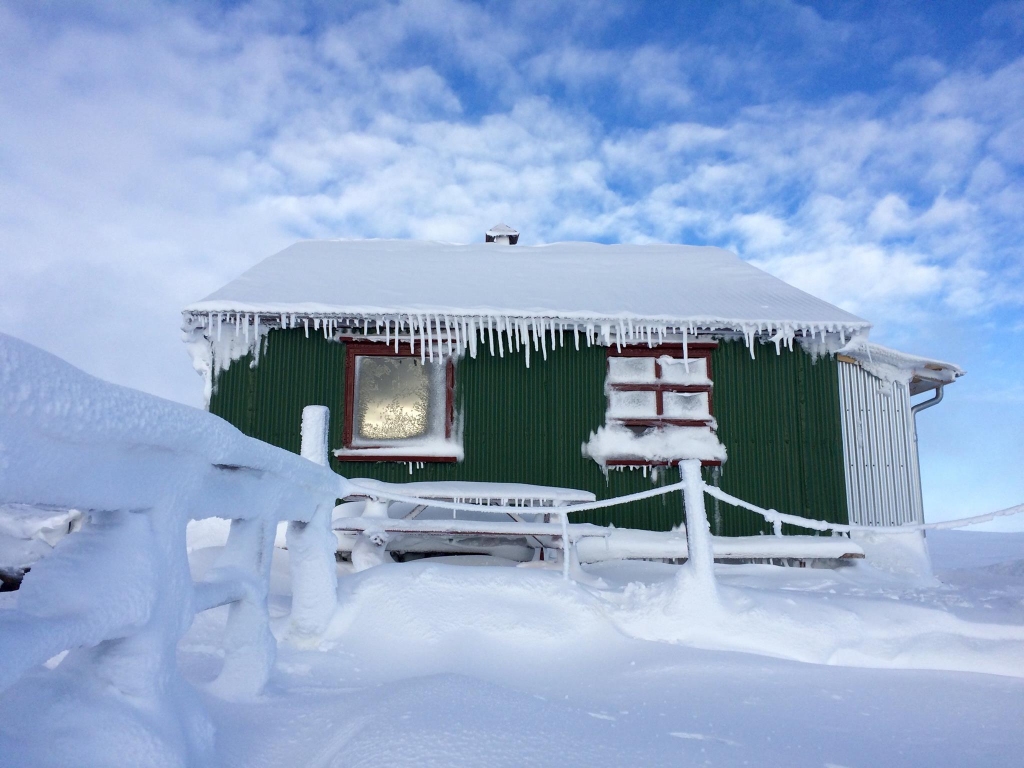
pixel 119 594
pixel 699 542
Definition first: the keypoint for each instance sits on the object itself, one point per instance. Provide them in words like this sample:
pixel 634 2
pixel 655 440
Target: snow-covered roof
pixel 500 229
pixel 663 284
pixel 920 373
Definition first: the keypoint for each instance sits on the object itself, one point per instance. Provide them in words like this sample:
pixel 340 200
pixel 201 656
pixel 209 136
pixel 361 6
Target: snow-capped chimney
pixel 502 233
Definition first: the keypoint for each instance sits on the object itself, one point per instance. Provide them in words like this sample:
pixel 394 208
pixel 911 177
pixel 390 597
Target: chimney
pixel 502 233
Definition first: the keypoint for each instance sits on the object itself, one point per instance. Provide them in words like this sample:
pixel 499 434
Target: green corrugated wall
pixel 778 417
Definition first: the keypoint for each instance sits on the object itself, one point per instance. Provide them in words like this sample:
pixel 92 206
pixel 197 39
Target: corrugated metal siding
pixel 779 418
pixel 528 424
pixel 267 401
pixel 882 475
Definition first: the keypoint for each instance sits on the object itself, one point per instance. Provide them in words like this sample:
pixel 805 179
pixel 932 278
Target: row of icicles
pixel 449 335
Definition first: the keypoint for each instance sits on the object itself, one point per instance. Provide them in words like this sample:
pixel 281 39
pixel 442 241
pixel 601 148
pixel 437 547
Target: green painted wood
pixel 778 417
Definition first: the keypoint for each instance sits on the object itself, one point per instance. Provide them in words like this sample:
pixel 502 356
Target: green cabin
pixel 576 365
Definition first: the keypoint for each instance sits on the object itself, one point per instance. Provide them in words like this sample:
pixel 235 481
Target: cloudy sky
pixel 872 154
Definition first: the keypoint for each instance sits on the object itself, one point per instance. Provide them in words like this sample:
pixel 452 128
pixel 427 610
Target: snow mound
pixel 483 611
pixel 474 615
pixel 850 630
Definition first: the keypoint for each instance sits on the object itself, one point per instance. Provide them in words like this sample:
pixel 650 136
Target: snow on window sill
pixel 614 444
pixel 434 451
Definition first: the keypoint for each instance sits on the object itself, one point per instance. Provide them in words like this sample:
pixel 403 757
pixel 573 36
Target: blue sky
pixel 870 153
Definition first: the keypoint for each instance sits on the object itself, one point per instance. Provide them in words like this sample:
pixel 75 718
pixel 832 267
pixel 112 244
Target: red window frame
pixel 362 453
pixel 693 351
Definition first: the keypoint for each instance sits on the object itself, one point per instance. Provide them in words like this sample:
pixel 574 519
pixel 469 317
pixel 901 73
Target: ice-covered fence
pixel 700 548
pixel 141 468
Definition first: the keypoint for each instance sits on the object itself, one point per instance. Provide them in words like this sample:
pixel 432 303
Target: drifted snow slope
pixel 439 664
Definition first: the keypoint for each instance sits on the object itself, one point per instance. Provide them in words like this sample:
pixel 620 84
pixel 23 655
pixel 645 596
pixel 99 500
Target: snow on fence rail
pixel 141 468
pixel 773 516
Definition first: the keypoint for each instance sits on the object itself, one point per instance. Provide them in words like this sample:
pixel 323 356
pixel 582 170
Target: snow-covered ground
pixel 469 661
pixel 473 661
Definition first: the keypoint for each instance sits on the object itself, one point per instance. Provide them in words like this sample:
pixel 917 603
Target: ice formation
pixel 216 339
pixel 442 300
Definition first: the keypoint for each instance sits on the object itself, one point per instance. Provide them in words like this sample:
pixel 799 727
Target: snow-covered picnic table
pixel 592 543
pixel 478 493
pixel 512 500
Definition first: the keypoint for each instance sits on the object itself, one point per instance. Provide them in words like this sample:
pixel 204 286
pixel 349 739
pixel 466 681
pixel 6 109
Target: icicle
pixel 619 335
pixel 526 346
pixel 428 340
pixel 686 350
pixel 561 335
pixel 246 328
pixel 387 332
pixel 453 343
pixel 543 340
pixel 576 335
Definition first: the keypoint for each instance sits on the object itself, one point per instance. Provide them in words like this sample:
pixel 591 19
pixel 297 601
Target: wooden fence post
pixel 700 551
pixel 249 645
pixel 312 545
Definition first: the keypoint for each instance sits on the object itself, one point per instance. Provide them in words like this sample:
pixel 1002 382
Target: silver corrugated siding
pixel 883 482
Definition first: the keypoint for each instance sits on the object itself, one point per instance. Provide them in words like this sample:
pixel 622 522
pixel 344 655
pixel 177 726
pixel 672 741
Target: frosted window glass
pixel 630 370
pixel 395 398
pixel 685 405
pixel 632 405
pixel 677 371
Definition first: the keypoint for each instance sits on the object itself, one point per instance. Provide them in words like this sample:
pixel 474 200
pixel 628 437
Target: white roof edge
pixel 873 356
pixel 207 307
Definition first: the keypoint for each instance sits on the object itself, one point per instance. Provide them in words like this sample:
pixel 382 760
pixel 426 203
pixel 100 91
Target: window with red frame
pixel 398 407
pixel 651 387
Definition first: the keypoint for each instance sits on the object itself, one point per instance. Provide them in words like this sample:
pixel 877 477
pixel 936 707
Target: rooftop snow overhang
pixel 579 283
pixel 445 299
pixel 921 374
